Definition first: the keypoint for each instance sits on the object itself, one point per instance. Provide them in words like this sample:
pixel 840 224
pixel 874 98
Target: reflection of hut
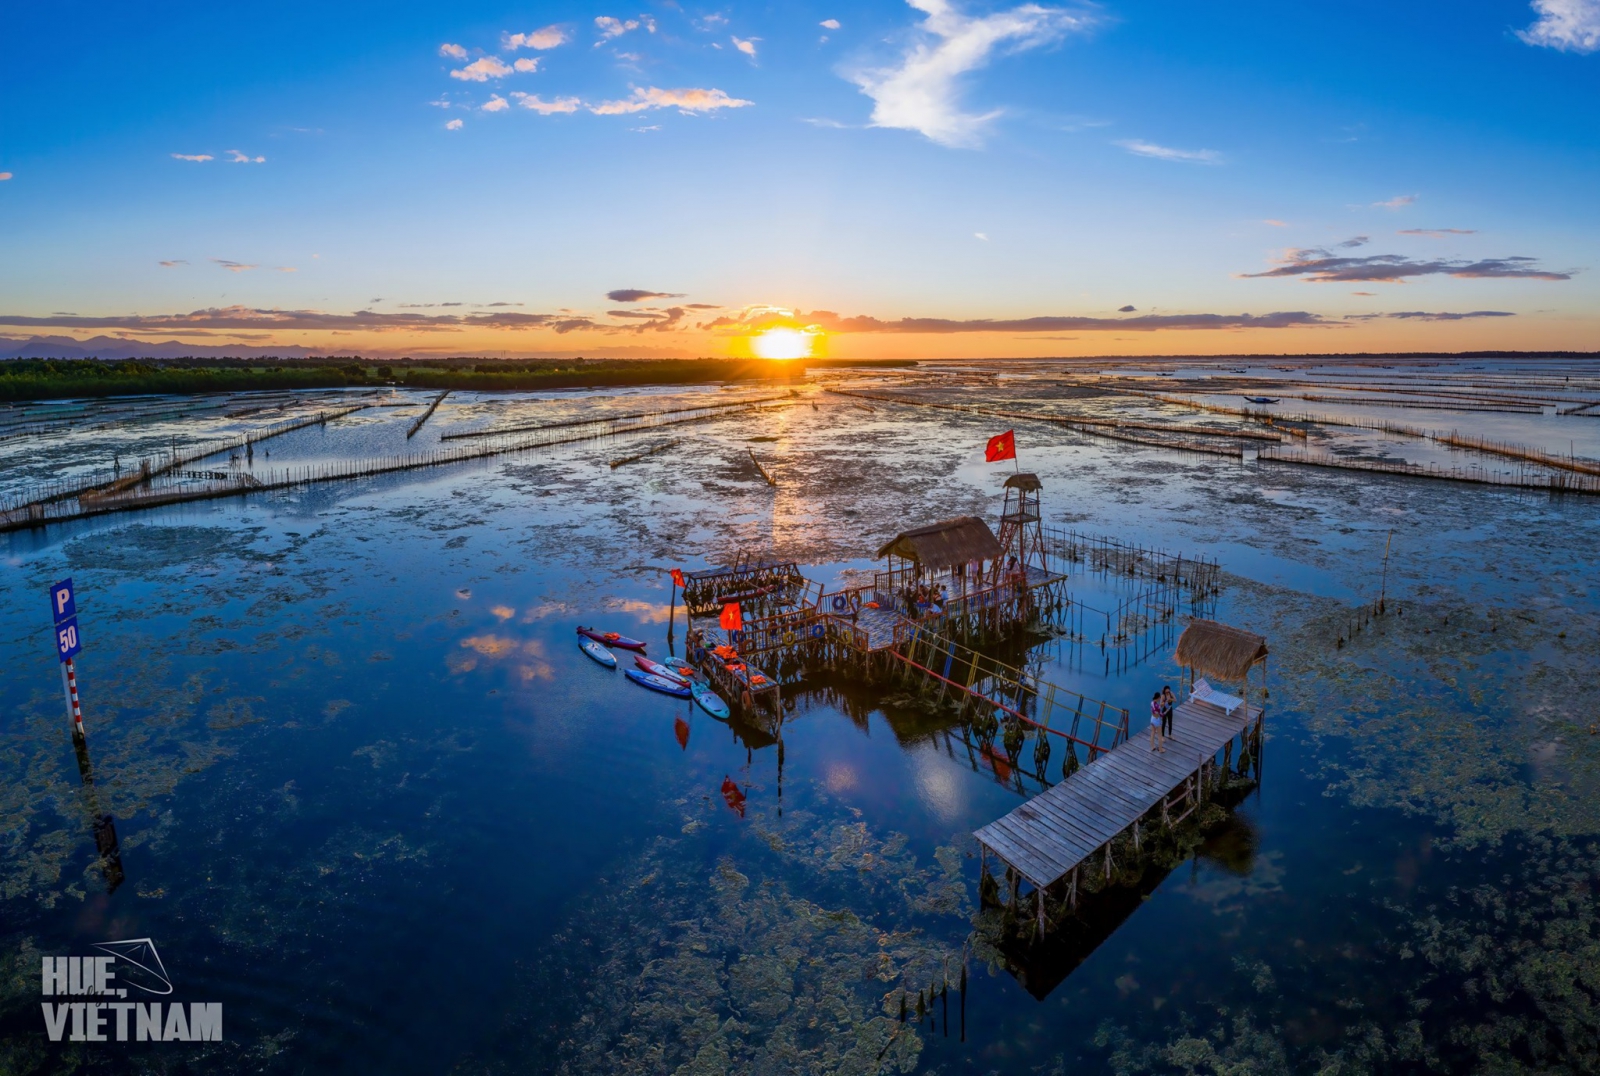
pixel 1218 651
pixel 961 549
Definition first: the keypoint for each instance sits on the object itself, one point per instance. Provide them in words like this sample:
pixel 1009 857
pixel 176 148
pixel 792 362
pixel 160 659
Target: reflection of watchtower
pixel 1021 536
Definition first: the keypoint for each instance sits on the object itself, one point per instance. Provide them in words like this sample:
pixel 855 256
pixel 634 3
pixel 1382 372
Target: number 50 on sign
pixel 67 642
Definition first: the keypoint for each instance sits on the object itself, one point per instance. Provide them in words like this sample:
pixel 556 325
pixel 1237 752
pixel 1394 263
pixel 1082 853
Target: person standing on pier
pixel 1156 743
pixel 1169 702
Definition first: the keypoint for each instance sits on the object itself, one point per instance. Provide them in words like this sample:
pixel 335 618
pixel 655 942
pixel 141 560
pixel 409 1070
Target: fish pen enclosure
pixel 1202 576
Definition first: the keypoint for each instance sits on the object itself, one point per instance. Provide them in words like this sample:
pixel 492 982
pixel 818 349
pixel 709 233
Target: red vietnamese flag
pixel 731 619
pixel 677 577
pixel 1002 446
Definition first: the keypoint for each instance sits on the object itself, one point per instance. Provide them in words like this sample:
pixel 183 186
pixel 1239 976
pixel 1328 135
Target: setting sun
pixel 782 344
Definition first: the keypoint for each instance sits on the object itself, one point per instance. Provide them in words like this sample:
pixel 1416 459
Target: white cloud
pixel 693 100
pixel 495 103
pixel 829 24
pixel 923 92
pixel 613 28
pixel 284 269
pixel 526 64
pixel 548 38
pixel 453 125
pixel 243 158
pixel 193 157
pixel 233 266
pixel 746 45
pixel 482 70
pixel 4 176
pixel 980 235
pixel 455 52
pixel 1141 148
pixel 546 108
pixel 1397 202
pixel 1568 25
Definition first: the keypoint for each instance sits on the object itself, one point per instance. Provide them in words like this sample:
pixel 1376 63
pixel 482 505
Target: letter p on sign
pixel 62 604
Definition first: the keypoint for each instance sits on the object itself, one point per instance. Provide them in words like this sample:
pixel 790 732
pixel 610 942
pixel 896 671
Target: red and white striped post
pixel 69 675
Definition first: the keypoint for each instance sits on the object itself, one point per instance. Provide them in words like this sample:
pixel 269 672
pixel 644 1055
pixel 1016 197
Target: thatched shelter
pixel 1024 480
pixel 1212 649
pixel 949 544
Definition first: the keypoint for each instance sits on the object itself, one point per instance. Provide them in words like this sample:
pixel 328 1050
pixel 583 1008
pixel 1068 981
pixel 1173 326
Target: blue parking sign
pixel 67 641
pixel 63 606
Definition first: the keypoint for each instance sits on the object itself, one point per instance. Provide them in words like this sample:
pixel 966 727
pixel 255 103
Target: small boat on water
pixel 657 683
pixel 1262 399
pixel 709 700
pixel 681 674
pixel 611 638
pixel 597 652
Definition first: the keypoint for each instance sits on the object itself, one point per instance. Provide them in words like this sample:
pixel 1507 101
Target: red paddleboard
pixel 611 638
pixel 666 672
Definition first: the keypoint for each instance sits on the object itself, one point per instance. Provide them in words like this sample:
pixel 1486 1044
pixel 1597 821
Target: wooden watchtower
pixel 1021 536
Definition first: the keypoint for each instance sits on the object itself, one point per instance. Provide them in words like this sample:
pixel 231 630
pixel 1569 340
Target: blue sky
pixel 1009 177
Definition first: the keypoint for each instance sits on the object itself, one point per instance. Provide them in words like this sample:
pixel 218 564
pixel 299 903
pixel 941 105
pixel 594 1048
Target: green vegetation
pixel 44 379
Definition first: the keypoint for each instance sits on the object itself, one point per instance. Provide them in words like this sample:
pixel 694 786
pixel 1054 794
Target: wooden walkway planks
pixel 1057 830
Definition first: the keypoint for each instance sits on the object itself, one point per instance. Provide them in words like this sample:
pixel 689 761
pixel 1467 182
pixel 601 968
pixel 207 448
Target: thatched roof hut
pixel 1024 480
pixel 945 545
pixel 1213 649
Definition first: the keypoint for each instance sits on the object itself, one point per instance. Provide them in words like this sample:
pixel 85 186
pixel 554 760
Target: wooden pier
pixel 1056 832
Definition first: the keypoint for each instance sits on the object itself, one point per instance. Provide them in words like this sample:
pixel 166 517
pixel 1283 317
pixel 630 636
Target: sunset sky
pixel 901 179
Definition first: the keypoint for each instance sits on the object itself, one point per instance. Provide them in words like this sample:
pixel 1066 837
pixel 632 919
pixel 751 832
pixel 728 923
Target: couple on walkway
pixel 1161 707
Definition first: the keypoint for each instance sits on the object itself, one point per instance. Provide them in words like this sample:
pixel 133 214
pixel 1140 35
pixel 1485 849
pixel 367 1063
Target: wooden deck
pixel 1045 838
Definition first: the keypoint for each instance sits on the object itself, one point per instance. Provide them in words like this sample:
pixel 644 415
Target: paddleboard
pixel 666 672
pixel 611 638
pixel 657 683
pixel 598 653
pixel 709 701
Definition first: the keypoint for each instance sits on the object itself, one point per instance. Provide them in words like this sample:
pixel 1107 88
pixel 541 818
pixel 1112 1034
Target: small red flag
pixel 677 577
pixel 732 619
pixel 1002 446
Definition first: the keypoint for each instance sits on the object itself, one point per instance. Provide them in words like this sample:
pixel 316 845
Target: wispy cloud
pixel 546 108
pixel 196 157
pixel 922 92
pixel 264 320
pixel 4 176
pixel 754 319
pixel 453 125
pixel 980 235
pixel 1276 223
pixel 233 266
pixel 746 45
pixel 173 263
pixel 688 100
pixel 1320 266
pixel 1399 201
pixel 1357 241
pixel 829 24
pixel 454 52
pixel 482 70
pixel 284 269
pixel 243 158
pixel 495 103
pixel 639 295
pixel 1437 233
pixel 1568 25
pixel 548 38
pixel 1140 148
pixel 1424 315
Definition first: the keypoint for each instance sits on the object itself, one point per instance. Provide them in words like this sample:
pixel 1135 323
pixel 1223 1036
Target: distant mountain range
pixel 110 347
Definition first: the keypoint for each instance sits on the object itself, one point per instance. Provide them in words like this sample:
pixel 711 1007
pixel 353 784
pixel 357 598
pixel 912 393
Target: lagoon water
pixel 372 798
